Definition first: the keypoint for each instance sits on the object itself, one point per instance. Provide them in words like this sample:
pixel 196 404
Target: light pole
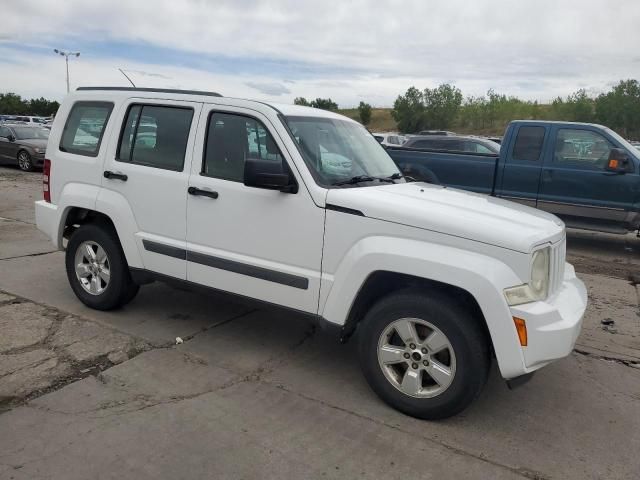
pixel 66 57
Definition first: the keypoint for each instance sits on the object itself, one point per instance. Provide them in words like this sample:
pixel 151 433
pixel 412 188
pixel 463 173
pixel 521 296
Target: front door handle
pixel 115 176
pixel 202 193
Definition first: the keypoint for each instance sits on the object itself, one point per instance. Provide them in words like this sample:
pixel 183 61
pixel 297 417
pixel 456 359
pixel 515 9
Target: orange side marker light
pixel 521 327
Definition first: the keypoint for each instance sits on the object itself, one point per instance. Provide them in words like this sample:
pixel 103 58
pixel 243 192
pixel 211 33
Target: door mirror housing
pixel 268 174
pixel 11 138
pixel 619 161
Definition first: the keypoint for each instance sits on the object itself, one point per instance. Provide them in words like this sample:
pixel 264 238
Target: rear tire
pixel 441 365
pixel 97 269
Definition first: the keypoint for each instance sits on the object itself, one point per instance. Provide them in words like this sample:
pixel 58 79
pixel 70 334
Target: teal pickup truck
pixel 586 174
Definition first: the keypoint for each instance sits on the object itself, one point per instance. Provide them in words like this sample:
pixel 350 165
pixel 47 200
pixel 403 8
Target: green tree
pixel 408 111
pixel 12 104
pixel 620 108
pixel 441 105
pixel 364 110
pixel 301 101
pixel 324 104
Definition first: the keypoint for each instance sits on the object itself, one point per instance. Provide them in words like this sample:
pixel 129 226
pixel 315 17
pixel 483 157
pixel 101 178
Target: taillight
pixel 46 180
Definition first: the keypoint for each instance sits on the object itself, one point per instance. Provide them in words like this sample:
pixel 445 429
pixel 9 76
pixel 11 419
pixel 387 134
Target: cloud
pixel 347 50
pixel 275 89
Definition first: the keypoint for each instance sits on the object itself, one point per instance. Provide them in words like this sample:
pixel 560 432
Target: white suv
pixel 303 209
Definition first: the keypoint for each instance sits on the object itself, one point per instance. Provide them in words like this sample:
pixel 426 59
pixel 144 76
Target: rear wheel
pixel 424 355
pixel 24 161
pixel 97 268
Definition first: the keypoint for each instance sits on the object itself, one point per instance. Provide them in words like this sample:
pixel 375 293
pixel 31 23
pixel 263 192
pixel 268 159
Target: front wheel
pixel 423 354
pixel 24 161
pixel 97 268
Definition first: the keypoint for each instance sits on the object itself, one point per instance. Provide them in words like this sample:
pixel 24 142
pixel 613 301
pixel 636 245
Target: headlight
pixel 38 150
pixel 538 286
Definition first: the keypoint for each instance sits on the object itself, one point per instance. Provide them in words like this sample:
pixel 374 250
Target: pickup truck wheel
pixel 423 355
pixel 97 268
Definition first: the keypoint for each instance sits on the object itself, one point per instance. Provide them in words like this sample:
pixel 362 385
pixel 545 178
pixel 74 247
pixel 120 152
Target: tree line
pixel 444 107
pixel 12 104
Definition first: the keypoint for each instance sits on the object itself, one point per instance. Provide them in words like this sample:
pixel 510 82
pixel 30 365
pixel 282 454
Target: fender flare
pixel 483 277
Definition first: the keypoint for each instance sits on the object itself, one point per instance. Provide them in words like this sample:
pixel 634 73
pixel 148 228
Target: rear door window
pixel 84 128
pixel 528 144
pixel 155 136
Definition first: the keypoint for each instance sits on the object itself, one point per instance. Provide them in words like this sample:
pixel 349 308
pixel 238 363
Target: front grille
pixel 558 254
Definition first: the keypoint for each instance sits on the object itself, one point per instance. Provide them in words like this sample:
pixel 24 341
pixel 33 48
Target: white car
pixel 302 208
pixel 390 139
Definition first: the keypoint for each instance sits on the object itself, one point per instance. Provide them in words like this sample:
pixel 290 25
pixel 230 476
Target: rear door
pixel 520 175
pixel 147 170
pixel 575 184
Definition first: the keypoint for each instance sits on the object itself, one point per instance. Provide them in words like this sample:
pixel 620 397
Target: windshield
pixel 24 133
pixel 630 148
pixel 338 150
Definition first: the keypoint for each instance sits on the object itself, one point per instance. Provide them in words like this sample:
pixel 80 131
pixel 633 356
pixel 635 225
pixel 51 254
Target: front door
pixel 576 186
pixel 147 170
pixel 8 149
pixel 263 244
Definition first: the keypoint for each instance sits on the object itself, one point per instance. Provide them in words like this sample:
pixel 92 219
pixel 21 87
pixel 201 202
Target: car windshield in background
pixel 27 133
pixel 338 150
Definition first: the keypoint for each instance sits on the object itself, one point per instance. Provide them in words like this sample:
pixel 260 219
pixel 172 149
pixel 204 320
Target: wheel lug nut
pixel 425 363
pixel 424 350
pixel 406 355
pixel 412 346
pixel 414 365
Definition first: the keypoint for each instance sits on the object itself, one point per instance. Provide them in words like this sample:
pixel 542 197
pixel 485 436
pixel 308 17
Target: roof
pixel 202 96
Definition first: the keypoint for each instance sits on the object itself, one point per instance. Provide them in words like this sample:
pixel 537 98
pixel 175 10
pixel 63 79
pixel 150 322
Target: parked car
pixel 586 174
pixel 436 132
pixel 302 209
pixel 23 145
pixel 453 143
pixel 390 138
pixel 29 119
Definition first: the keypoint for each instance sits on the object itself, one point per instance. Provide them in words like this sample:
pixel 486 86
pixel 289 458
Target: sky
pixel 350 51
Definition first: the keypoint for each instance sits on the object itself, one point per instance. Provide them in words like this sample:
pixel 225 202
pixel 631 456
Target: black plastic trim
pixel 282 278
pixel 350 211
pixel 163 249
pixel 158 90
pixel 141 276
pixel 249 270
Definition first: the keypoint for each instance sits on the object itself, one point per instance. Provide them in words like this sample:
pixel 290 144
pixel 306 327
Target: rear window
pixel 528 143
pixel 84 128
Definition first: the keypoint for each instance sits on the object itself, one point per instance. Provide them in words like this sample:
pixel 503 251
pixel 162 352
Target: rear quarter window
pixel 84 128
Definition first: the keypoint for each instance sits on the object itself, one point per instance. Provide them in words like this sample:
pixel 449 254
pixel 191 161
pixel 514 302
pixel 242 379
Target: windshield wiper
pixel 363 178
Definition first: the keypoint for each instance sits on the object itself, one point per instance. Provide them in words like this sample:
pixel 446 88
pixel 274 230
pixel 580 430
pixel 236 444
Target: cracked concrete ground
pixel 259 394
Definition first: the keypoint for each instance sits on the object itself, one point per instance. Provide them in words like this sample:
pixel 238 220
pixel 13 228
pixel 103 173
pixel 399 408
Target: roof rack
pixel 158 90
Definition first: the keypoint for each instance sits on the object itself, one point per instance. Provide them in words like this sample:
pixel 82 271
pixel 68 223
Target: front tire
pixel 24 161
pixel 424 354
pixel 97 269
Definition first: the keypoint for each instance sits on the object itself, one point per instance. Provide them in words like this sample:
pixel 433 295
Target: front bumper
pixel 37 159
pixel 553 326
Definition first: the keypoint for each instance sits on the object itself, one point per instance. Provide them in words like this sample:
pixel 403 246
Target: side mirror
pixel 619 161
pixel 11 138
pixel 269 174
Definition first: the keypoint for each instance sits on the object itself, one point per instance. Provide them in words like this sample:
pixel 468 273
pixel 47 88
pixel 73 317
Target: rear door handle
pixel 115 176
pixel 547 174
pixel 202 193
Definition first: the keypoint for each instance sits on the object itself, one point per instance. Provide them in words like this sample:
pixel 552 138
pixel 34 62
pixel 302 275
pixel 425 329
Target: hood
pixel 34 142
pixel 453 212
